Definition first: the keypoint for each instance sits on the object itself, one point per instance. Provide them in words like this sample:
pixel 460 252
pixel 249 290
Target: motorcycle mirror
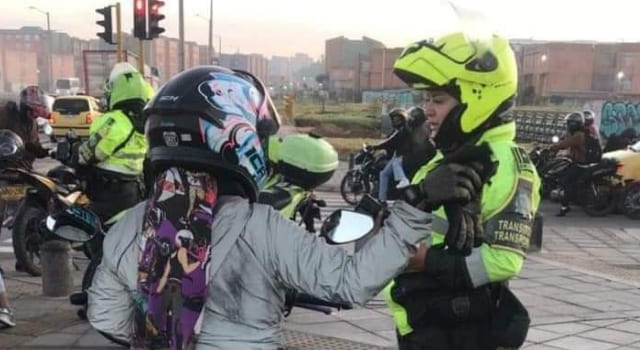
pixel 73 234
pixel 344 226
pixel 555 139
pixel 47 129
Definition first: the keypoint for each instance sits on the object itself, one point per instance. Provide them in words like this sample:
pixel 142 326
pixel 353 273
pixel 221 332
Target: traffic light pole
pixel 118 33
pixel 141 58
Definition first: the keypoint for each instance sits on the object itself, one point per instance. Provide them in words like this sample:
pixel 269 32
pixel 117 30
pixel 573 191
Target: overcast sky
pixel 284 27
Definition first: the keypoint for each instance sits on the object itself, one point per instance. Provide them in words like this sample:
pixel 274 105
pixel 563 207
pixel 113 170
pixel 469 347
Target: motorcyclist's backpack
pixel 593 148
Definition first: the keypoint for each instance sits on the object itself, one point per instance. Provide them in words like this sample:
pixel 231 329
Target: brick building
pixel 561 70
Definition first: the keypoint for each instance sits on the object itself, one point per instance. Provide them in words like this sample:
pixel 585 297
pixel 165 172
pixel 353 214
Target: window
pixel 70 106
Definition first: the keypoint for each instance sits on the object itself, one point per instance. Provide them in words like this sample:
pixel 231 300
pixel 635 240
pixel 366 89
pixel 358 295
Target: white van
pixel 67 86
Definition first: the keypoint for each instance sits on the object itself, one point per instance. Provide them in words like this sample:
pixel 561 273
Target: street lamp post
pixel 50 39
pixel 211 36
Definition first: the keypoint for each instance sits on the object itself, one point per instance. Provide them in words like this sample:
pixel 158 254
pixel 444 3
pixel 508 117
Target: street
pixel 582 292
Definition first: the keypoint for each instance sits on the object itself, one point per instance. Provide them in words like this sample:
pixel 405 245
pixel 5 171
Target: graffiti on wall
pixel 613 117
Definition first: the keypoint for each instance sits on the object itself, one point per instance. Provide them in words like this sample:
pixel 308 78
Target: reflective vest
pixel 114 145
pixel 514 189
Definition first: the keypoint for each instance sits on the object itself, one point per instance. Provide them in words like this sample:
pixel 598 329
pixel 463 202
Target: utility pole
pixel 181 43
pixel 210 58
pixel 118 33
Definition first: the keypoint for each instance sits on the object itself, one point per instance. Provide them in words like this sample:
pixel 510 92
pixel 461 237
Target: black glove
pixel 450 183
pixel 465 227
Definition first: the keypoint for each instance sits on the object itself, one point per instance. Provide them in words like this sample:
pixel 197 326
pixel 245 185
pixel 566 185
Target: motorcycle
pixel 77 224
pixel 42 192
pixel 363 176
pixel 598 186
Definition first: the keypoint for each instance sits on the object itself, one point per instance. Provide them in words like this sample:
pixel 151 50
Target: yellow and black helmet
pixel 481 74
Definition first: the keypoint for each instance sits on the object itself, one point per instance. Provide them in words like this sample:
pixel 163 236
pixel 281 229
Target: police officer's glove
pixel 465 227
pixel 449 183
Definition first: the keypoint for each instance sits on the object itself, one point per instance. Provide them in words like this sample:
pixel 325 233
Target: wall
pixel 615 116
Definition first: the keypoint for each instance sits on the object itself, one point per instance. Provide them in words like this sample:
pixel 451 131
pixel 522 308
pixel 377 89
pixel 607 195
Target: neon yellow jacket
pixel 509 202
pixel 114 145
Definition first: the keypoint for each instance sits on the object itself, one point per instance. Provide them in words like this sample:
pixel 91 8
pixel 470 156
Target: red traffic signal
pixel 154 19
pixel 140 19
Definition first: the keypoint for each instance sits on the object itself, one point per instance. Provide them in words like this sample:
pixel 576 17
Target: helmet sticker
pixel 237 141
pixel 232 95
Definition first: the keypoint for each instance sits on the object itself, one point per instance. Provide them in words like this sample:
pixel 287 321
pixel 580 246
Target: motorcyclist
pixel 448 297
pixel 576 142
pixel 421 148
pixel 289 188
pixel 208 124
pixel 21 118
pixel 590 124
pixel 396 144
pixel 116 147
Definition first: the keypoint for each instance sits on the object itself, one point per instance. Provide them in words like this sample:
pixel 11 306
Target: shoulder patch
pixel 522 161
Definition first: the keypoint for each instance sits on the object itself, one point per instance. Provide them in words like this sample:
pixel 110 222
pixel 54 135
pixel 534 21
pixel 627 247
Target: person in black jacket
pixel 396 145
pixel 20 117
pixel 421 147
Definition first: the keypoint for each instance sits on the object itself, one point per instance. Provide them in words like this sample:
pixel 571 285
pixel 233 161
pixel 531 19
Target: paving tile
pixel 355 314
pixel 375 325
pixel 609 305
pixel 612 336
pixel 77 329
pixel 540 347
pixel 578 343
pixel 628 326
pixel 604 322
pixel 566 328
pixel 536 335
pixel 339 329
pixel 94 339
pixel 54 339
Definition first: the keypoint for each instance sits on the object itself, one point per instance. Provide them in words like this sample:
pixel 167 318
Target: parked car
pixel 74 113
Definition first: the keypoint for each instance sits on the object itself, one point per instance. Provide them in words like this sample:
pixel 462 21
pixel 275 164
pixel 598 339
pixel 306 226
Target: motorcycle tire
pixel 346 187
pixel 27 238
pixel 603 205
pixel 631 202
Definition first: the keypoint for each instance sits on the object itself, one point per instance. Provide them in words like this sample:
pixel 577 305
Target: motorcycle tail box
pixel 306 160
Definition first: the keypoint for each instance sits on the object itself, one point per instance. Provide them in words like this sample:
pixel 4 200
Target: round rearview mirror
pixel 344 226
pixel 73 234
pixel 47 129
pixel 555 139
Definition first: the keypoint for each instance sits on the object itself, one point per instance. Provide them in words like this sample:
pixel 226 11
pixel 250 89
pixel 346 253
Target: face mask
pixel 173 265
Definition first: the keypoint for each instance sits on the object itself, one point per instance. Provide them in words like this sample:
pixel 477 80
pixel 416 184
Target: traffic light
pixel 140 19
pixel 154 19
pixel 107 23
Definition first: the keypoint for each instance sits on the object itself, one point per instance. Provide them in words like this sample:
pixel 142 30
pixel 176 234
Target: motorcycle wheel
pixel 27 239
pixel 601 202
pixel 631 202
pixel 353 187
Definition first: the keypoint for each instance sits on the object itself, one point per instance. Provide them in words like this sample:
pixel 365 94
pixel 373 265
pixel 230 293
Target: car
pixel 74 113
pixel 629 162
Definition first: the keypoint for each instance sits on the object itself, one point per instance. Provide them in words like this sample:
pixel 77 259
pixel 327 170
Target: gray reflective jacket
pixel 257 253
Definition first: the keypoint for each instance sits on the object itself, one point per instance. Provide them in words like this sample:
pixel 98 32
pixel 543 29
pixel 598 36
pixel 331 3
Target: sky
pixel 285 27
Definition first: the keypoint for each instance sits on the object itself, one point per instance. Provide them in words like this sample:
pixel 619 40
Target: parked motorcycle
pixel 39 193
pixel 363 176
